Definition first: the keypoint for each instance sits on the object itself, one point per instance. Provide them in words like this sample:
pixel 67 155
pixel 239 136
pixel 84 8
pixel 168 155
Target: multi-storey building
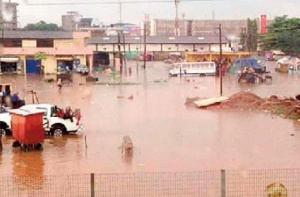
pixel 70 21
pixel 8 15
pixel 165 27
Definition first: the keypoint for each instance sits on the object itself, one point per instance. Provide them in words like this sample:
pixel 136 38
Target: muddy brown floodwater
pixel 167 135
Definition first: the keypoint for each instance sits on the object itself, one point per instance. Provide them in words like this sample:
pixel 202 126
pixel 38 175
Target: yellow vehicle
pixel 211 56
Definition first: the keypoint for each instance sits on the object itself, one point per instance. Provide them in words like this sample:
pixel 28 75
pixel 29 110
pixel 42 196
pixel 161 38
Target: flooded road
pixel 167 135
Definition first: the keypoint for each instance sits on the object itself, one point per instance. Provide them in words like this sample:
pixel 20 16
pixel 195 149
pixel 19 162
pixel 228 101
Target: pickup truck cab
pixel 53 125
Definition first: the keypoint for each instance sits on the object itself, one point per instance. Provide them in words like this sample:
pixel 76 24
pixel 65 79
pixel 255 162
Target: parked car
pixel 83 69
pixel 53 125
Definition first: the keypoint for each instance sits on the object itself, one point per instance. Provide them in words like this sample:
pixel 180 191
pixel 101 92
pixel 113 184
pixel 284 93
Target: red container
pixel 27 126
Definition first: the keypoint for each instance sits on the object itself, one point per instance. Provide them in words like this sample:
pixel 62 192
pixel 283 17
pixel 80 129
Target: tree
pixel 41 26
pixel 283 34
pixel 249 36
pixel 40 55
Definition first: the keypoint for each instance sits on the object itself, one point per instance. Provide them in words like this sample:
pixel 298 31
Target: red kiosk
pixel 27 128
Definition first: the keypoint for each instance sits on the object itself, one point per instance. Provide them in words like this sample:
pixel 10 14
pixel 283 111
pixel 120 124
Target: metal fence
pixel 253 183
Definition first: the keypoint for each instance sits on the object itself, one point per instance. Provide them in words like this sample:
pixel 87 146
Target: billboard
pixel 263 24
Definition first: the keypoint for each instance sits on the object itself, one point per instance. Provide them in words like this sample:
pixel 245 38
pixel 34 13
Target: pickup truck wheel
pixel 4 131
pixel 58 131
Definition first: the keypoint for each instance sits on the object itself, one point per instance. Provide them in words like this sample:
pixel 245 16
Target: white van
pixel 194 68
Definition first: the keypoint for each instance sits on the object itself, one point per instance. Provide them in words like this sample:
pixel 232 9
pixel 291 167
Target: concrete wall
pixel 184 47
pixel 161 47
pixel 50 65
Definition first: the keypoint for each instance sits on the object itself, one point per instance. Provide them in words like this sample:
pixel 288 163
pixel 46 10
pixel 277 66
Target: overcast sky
pixel 134 13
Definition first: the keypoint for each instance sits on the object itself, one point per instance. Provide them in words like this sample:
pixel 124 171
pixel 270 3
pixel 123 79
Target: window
pixel 185 66
pixel 45 43
pixel 12 42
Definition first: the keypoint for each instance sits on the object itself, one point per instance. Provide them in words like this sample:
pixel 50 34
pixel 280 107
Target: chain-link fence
pixel 253 183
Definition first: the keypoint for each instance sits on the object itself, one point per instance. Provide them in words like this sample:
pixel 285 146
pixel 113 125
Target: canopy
pixel 241 63
pixel 294 61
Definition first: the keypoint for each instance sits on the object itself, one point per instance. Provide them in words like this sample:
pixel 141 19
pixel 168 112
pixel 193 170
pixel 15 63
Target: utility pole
pixel 120 54
pixel 220 60
pixel 145 45
pixel 176 18
pixel 124 47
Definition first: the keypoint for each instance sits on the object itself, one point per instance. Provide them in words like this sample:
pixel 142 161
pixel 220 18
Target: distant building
pixel 165 27
pixel 85 23
pixel 8 15
pixel 70 21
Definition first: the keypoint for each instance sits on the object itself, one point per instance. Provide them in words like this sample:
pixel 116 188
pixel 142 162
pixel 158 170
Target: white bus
pixel 193 68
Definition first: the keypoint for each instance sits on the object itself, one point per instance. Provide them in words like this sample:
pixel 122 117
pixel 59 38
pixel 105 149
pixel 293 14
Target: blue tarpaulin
pixel 238 65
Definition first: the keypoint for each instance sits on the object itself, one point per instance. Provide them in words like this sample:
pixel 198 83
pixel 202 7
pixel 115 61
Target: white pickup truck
pixel 53 125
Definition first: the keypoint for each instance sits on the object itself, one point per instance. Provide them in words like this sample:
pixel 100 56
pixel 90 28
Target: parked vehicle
pixel 83 69
pixel 52 123
pixel 238 65
pixel 194 68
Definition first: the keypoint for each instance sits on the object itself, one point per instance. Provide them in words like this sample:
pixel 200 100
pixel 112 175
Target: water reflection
pixel 169 135
pixel 28 169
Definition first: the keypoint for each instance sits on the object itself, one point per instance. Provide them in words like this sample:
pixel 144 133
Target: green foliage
pixel 249 36
pixel 40 55
pixel 283 34
pixel 41 26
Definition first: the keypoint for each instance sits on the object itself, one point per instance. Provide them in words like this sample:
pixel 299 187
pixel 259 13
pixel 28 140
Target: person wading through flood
pixel 15 100
pixel 59 83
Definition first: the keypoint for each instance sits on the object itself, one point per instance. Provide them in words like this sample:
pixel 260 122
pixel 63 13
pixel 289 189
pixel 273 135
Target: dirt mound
pixel 285 107
pixel 244 100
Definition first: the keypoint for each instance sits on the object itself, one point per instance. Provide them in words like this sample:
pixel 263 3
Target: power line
pixel 115 2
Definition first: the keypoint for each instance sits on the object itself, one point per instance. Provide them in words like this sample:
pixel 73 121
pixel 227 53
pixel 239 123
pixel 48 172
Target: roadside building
pixel 20 47
pixel 159 46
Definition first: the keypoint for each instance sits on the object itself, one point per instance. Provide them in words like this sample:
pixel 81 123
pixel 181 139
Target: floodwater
pixel 167 135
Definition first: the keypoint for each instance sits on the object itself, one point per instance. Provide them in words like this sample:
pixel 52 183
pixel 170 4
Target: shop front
pixel 11 65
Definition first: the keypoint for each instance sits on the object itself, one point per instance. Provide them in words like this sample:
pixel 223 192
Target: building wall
pixel 68 23
pixel 162 47
pixel 161 27
pixel 50 64
pixel 62 48
pixel 164 27
pixel 185 47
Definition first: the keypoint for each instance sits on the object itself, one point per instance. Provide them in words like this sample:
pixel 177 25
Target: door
pixel 33 66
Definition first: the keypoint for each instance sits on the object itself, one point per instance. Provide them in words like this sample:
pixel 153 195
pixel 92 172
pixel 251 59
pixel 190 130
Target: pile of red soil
pixel 285 107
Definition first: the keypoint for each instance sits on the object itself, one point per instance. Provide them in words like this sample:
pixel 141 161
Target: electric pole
pixel 120 54
pixel 220 60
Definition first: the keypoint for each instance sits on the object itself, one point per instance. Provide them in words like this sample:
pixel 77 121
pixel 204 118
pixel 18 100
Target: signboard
pixel 263 24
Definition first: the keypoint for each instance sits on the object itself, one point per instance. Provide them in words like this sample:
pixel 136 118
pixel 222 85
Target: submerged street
pixel 167 135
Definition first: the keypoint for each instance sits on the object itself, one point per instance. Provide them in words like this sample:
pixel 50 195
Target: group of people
pixel 11 101
pixel 65 114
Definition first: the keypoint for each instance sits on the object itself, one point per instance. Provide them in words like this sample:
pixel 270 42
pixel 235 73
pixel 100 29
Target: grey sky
pixel 134 13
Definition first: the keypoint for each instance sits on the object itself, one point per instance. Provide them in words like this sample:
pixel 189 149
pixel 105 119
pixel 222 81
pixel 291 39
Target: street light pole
pixel 220 60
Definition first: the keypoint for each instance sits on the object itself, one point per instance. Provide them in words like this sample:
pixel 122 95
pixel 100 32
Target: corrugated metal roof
pixel 38 34
pixel 157 40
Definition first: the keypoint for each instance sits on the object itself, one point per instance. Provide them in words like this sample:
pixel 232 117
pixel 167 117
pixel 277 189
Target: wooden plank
pixel 210 101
